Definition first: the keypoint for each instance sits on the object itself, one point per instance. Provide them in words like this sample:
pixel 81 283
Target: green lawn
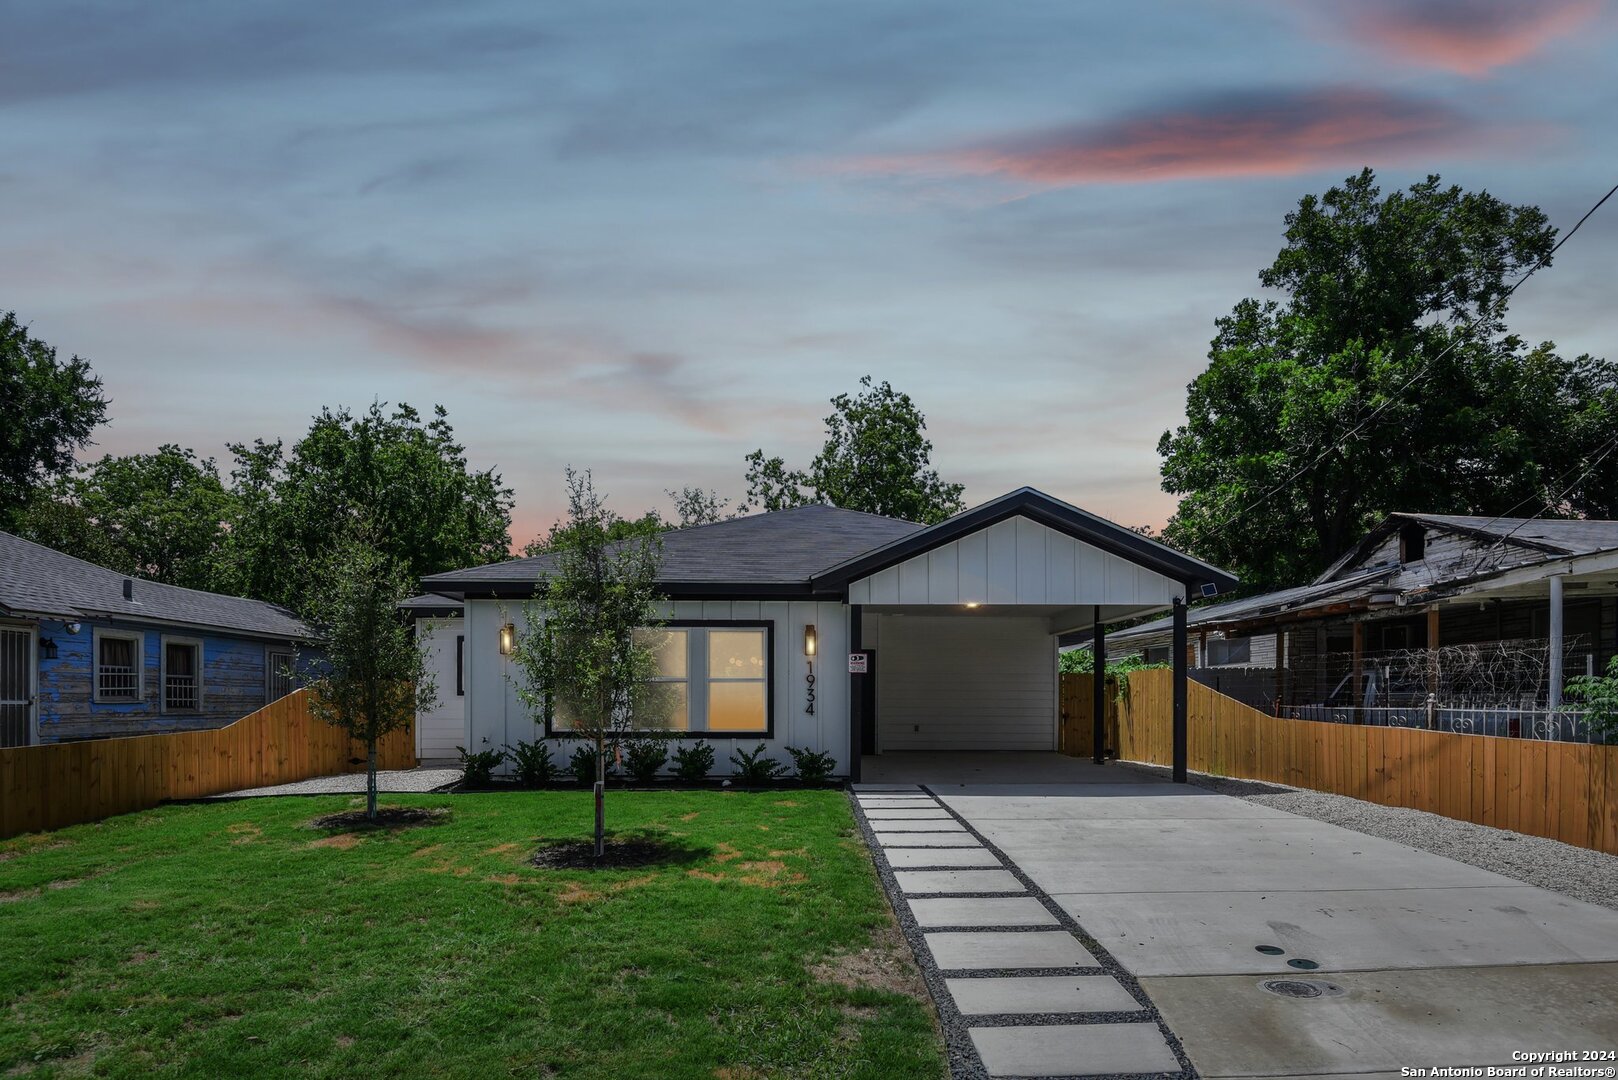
pixel 231 940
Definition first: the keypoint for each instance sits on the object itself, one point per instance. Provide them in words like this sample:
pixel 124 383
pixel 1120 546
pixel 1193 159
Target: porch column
pixel 1180 752
pixel 856 694
pixel 1432 648
pixel 1553 697
pixel 1357 691
pixel 1098 727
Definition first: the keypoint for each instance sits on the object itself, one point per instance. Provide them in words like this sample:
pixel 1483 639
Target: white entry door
pixel 16 686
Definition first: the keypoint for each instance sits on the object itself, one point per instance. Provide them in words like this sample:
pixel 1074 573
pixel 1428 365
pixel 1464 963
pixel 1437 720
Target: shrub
pixel 1599 696
pixel 752 767
pixel 533 763
pixel 478 769
pixel 693 761
pixel 813 765
pixel 583 763
pixel 644 758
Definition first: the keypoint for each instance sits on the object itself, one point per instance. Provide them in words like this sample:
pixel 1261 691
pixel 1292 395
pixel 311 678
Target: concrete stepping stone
pixel 982 950
pixel 1040 994
pixel 912 857
pixel 982 911
pixel 889 788
pixel 896 813
pixel 961 838
pixel 1073 1050
pixel 912 882
pixel 899 802
pixel 929 825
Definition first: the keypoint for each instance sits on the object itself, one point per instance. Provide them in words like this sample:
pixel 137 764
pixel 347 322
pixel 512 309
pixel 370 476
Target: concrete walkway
pixel 1270 945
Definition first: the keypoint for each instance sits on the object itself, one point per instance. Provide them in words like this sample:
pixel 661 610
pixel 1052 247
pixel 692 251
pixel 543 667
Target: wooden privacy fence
pixel 57 784
pixel 1565 791
pixel 1078 715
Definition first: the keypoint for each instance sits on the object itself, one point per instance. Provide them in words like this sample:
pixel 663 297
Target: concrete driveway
pixel 1409 960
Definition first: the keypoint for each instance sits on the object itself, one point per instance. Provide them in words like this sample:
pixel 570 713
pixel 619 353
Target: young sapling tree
pixel 374 677
pixel 587 650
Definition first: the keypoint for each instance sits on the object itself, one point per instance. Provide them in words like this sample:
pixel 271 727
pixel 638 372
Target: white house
pixel 845 632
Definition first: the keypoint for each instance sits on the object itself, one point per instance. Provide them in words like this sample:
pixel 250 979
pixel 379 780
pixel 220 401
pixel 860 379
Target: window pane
pixel 667 708
pixel 117 653
pixel 561 716
pixel 668 646
pixel 182 660
pixel 736 706
pixel 736 654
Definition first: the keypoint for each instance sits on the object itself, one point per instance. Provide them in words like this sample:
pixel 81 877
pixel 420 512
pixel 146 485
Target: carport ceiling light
pixel 972 603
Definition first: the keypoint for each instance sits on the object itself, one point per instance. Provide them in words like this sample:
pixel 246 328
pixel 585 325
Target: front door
pixel 16 686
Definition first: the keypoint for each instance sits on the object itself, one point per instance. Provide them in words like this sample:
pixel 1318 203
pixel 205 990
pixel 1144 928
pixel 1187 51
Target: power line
pixel 1426 366
pixel 1550 504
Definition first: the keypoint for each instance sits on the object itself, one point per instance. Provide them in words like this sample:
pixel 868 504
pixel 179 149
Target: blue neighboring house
pixel 89 653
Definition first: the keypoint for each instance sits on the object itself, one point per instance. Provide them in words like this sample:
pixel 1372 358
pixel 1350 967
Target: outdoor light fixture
pixel 47 648
pixel 508 638
pixel 72 627
pixel 972 604
pixel 809 639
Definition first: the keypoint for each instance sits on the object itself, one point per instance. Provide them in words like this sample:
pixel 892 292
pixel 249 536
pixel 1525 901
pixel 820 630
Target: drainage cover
pixel 1301 988
pixel 1303 965
pixel 1270 950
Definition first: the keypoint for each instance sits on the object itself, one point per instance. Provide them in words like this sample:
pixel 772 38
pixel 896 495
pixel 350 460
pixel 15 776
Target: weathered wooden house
pixel 87 652
pixel 1471 610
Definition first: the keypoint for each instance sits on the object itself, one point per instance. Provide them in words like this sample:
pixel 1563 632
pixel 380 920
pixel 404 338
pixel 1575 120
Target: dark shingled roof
pixel 1569 536
pixel 35 580
pixel 781 548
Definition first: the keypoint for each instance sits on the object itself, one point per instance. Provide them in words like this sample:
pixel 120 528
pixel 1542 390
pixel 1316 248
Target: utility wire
pixel 1550 504
pixel 1426 366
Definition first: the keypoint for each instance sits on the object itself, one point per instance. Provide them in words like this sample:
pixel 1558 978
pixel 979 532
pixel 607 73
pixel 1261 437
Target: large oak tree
pixel 1383 378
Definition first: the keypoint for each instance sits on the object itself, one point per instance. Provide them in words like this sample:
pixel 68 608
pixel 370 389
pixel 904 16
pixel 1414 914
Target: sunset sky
pixel 648 238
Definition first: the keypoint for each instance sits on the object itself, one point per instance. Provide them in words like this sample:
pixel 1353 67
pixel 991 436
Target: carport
pixel 957 624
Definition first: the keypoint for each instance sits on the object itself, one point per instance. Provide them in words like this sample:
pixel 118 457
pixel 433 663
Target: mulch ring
pixel 621 853
pixel 387 817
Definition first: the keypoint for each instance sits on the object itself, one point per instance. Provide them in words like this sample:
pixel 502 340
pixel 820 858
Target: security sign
pixel 858 663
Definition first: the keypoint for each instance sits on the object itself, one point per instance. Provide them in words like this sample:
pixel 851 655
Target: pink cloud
pixel 1273 134
pixel 1469 37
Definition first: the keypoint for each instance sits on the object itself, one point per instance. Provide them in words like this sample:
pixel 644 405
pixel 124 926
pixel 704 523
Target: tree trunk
pixel 370 780
pixel 601 796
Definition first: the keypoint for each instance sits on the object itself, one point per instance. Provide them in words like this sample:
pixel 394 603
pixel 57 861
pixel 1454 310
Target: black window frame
pixel 768 733
pixel 460 665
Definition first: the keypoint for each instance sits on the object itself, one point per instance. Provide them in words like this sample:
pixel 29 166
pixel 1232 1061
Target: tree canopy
pixel 47 411
pixel 1383 379
pixel 876 458
pixel 408 478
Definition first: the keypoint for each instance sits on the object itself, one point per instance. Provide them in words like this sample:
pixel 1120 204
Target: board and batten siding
pixel 497 718
pixel 1016 561
pixel 964 682
pixel 441 729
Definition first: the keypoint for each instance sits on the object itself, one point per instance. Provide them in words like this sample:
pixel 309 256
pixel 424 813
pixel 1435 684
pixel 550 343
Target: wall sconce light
pixel 47 648
pixel 809 641
pixel 72 627
pixel 508 639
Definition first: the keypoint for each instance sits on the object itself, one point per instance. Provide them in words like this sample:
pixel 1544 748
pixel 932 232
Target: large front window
pixel 713 678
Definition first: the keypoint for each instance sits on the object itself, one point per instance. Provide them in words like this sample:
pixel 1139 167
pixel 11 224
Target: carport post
pixel 1098 727
pixel 1179 690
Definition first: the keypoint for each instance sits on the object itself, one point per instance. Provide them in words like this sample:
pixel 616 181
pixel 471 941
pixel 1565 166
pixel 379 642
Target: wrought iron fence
pixel 1516 722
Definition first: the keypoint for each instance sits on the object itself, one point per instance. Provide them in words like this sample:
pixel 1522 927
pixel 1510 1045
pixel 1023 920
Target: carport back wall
pixel 964 682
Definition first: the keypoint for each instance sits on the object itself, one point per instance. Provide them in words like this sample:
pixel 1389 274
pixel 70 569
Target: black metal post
pixel 1180 751
pixel 1098 727
pixel 856 696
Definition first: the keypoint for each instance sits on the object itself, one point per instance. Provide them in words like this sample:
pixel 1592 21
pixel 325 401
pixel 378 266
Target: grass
pixel 231 939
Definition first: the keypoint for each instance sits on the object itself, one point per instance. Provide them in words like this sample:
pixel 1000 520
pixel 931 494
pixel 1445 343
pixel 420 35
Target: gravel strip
pixel 400 780
pixel 1580 873
pixel 965 1064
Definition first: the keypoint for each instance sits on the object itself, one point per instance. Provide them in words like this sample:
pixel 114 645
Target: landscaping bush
pixel 752 767
pixel 693 761
pixel 813 765
pixel 533 764
pixel 478 769
pixel 645 757
pixel 583 763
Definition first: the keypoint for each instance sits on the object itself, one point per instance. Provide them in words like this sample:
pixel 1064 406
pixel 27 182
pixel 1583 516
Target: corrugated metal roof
pixel 37 580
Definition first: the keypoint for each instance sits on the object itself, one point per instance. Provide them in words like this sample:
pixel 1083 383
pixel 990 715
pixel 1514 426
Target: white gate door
pixel 16 686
